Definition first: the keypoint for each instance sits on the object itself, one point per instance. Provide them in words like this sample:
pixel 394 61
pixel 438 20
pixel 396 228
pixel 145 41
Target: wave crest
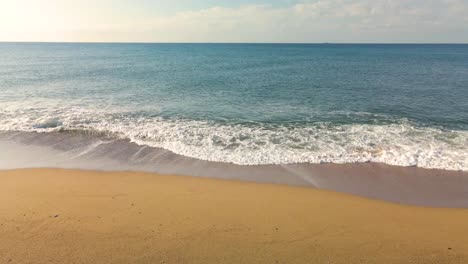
pixel 401 143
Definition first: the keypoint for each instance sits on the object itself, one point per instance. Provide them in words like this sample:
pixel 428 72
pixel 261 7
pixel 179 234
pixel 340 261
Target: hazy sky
pixel 235 21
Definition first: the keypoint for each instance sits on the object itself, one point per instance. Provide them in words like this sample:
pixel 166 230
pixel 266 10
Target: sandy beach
pixel 71 216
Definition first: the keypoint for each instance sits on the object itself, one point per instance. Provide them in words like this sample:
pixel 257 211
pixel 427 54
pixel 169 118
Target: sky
pixel 296 21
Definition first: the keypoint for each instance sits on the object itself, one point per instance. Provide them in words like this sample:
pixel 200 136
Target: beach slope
pixel 70 216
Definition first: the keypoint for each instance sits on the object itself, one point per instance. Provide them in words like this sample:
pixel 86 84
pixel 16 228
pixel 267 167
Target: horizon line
pixel 303 43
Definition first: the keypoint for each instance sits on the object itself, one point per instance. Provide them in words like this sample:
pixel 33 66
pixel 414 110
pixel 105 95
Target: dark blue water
pixel 249 103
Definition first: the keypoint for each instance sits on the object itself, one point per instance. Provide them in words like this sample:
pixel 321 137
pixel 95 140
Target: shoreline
pixel 57 216
pixel 405 185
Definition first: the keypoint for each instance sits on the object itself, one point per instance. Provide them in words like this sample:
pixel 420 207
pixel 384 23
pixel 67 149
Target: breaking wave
pixel 400 143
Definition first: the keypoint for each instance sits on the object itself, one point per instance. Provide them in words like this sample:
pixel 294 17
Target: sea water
pixel 248 104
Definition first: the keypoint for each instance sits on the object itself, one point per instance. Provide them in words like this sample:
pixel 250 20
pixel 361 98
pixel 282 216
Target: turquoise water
pixel 249 103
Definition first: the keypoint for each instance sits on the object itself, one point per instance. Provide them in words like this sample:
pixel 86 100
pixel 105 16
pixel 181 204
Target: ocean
pixel 245 104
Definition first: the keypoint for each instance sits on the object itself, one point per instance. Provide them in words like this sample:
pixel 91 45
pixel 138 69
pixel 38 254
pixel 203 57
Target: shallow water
pixel 75 150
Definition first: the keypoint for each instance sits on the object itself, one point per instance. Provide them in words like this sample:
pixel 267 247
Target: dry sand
pixel 66 216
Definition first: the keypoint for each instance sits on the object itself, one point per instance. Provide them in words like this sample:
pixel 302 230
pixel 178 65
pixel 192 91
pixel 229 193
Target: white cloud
pixel 324 20
pixel 309 21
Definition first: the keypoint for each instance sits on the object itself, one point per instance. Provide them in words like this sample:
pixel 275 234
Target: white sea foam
pixel 48 123
pixel 401 143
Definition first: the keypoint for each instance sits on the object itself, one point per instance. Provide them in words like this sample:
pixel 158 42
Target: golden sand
pixel 66 216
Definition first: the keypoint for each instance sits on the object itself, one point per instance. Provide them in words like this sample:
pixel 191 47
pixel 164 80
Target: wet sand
pixel 405 185
pixel 71 216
